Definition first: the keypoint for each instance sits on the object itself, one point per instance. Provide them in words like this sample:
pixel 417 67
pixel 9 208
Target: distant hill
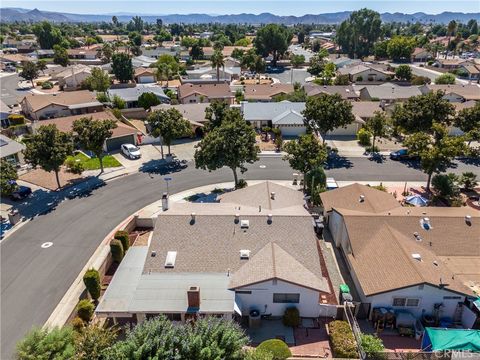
pixel 18 14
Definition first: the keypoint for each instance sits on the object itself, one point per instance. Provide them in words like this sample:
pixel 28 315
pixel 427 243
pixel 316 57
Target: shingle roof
pixel 348 198
pixel 266 91
pixel 468 92
pixel 267 111
pixel 390 91
pixel 221 90
pixel 9 147
pixel 67 99
pixel 133 93
pixel 195 113
pixel 346 92
pixel 365 109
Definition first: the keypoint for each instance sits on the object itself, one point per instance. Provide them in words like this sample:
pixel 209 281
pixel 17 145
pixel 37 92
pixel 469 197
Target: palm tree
pixel 163 72
pixel 451 29
pixel 217 61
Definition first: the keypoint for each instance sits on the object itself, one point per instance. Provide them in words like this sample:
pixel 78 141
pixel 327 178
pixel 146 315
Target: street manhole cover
pixel 262 166
pixel 46 244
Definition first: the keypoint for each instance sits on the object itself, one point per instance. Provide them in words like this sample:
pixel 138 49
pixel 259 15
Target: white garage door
pixel 292 130
pixel 146 79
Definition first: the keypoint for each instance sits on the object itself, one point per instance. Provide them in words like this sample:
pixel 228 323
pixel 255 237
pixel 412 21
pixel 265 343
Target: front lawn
pixel 93 163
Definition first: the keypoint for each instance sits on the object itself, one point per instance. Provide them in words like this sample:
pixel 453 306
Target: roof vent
pixel 435 262
pixel 245 254
pixel 244 224
pixel 269 218
pixel 193 216
pixel 154 253
pixel 237 218
pixel 170 260
pixel 417 236
pixel 468 219
pixel 417 257
pixel 425 222
pixel 362 198
pixel 272 195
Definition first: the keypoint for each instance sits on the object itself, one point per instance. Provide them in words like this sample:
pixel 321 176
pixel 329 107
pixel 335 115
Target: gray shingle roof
pixel 268 111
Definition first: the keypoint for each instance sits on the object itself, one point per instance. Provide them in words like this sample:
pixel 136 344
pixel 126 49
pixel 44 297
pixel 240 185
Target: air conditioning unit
pixel 244 254
pixel 170 260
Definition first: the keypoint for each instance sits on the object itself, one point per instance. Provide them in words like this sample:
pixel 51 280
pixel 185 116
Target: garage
pixel 289 130
pixel 115 143
pixel 290 123
pixel 350 130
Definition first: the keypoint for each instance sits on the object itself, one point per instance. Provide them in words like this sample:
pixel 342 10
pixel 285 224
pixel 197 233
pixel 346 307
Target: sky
pixel 278 7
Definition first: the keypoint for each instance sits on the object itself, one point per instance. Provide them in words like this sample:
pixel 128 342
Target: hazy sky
pixel 279 7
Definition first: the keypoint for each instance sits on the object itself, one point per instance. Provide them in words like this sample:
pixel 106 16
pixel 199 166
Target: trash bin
pixel 347 297
pixel 14 217
pixel 344 288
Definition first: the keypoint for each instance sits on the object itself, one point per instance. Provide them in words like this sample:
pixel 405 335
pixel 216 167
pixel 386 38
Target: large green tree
pixel 122 67
pixel 49 148
pixel 60 56
pixel 93 342
pixel 8 175
pixel 169 124
pixel 326 112
pixel 468 120
pixel 43 344
pixel 272 39
pixel 92 134
pixel 215 113
pixel 305 153
pixel 404 72
pixel 378 126
pixel 47 34
pixel 147 100
pixel 400 48
pixel 232 144
pixel 419 113
pixel 97 81
pixel 358 34
pixel 29 71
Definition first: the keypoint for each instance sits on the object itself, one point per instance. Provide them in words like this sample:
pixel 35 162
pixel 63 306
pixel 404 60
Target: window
pixel 286 298
pixel 410 302
pixel 247 292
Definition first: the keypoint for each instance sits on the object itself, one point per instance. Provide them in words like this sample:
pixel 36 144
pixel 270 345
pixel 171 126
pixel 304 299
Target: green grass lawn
pixel 94 164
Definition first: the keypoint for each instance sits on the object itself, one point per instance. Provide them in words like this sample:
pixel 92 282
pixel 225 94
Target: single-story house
pixel 143 61
pixel 42 54
pixel 145 75
pixel 226 74
pixel 226 51
pixel 158 51
pixel 472 71
pixel 265 92
pixel 388 92
pixel 194 113
pixel 365 73
pixel 131 94
pixel 73 76
pixel 192 93
pixel 287 116
pixel 403 258
pixel 15 59
pixel 40 107
pixel 347 92
pixel 343 61
pixel 253 252
pixel 456 92
pixel 451 64
pixel 365 110
pixel 122 134
pixel 11 150
pixel 420 55
pixel 82 54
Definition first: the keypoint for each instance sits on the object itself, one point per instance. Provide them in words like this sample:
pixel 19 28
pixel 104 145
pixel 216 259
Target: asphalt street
pixel 33 279
pixel 9 89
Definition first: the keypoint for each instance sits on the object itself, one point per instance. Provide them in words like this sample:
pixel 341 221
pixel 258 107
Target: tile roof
pixel 389 91
pixel 142 71
pixel 346 92
pixel 213 91
pixel 67 99
pixel 266 91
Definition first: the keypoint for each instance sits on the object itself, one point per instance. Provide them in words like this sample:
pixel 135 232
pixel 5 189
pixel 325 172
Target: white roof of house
pixel 132 93
pixel 270 110
pixel 289 117
pixel 9 147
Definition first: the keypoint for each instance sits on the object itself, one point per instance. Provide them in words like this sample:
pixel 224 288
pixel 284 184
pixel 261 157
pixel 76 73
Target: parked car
pixel 402 154
pixel 131 151
pixel 21 193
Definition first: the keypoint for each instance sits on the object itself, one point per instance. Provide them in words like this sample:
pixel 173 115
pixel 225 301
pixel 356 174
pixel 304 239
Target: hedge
pixel 291 317
pixel 85 310
pixel 116 249
pixel 123 236
pixel 91 279
pixel 276 347
pixel 342 340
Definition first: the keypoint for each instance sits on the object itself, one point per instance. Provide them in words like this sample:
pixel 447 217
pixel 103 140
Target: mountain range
pixel 19 14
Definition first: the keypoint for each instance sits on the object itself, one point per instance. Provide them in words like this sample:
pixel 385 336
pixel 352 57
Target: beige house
pixel 456 92
pixel 265 92
pixel 145 75
pixel 73 76
pixel 363 73
pixel 42 107
pixel 190 93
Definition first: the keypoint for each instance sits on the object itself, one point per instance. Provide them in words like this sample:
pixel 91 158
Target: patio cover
pixel 437 339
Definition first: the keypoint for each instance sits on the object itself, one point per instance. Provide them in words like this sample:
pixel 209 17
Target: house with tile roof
pixel 411 259
pixel 455 92
pixel 265 92
pixel 193 93
pixel 144 75
pixel 131 94
pixel 255 249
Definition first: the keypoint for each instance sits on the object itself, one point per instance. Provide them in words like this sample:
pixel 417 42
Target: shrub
pixel 420 80
pixel 291 317
pixel 118 102
pixel 342 340
pixel 430 62
pixel 445 79
pixel 16 119
pixel 373 346
pixel 116 249
pixel 276 347
pixel 77 324
pixel 468 180
pixel 91 279
pixel 363 137
pixel 359 78
pixel 256 354
pixel 445 185
pixel 74 167
pixel 102 97
pixel 47 85
pixel 85 310
pixel 117 113
pixel 241 184
pixel 315 184
pixel 123 236
pixel 380 187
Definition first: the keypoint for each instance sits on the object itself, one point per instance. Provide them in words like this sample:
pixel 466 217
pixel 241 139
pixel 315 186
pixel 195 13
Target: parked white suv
pixel 131 151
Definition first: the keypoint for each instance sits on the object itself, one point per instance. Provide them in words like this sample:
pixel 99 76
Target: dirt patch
pixel 265 145
pixel 47 180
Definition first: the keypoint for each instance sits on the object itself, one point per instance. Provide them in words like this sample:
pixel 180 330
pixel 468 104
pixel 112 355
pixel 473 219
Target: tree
pixel 217 62
pixel 196 52
pixel 122 67
pixel 317 63
pixel 445 186
pixel 60 56
pixel 42 65
pixel 315 182
pixel 468 180
pixel 124 238
pixel 400 48
pixel 215 113
pixel 29 71
pixel 49 148
pixel 169 124
pixel 373 346
pixel 297 60
pixel 341 80
pixel 305 153
pixel 147 100
pixel 97 81
pixel 85 310
pixel 436 151
pixel 167 59
pixel 468 120
pixel 137 22
pixel 47 35
pixel 232 144
pixel 358 34
pixel 92 134
pixel 57 343
pixel 419 113
pixel 272 39
pixel 327 74
pixel 445 79
pixel 93 342
pixel 380 50
pixel 403 72
pixel 327 112
pixel 8 176
pixel 91 279
pixel 378 126
pixel 106 52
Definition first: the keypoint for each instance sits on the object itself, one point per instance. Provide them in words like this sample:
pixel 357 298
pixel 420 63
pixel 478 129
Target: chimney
pixel 193 296
pixel 165 201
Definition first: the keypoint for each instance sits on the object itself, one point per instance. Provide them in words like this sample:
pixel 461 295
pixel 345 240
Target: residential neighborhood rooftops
pixel 144 71
pixel 67 99
pixel 346 92
pixel 132 93
pixel 389 91
pixel 365 109
pixel 467 91
pixel 221 90
pixel 195 113
pixel 266 91
pixel 9 146
pixel 267 111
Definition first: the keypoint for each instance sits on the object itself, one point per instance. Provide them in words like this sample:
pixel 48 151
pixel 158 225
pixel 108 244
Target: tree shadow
pixel 376 157
pixel 161 167
pixel 338 162
pixel 475 161
pixel 414 164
